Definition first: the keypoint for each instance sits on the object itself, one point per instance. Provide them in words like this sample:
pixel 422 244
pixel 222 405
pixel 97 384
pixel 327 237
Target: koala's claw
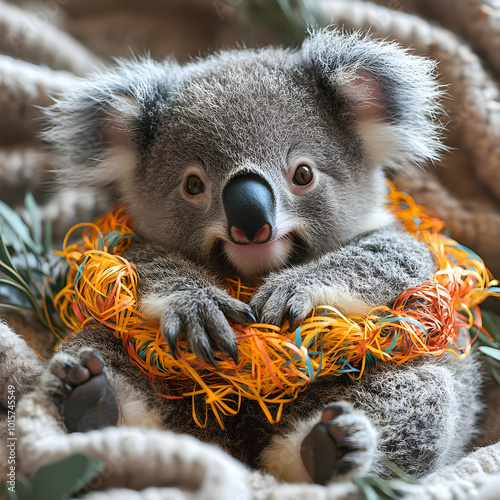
pixel 282 298
pixel 341 445
pixel 242 317
pixel 202 315
pixel 292 319
pixel 171 331
pixel 250 317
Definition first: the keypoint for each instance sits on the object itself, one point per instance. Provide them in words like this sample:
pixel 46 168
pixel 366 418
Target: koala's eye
pixel 303 175
pixel 194 185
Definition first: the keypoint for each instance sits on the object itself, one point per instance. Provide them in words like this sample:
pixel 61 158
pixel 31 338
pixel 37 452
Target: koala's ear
pixel 393 96
pixel 99 127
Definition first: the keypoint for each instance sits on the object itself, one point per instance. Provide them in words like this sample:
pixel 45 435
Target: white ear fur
pixel 380 140
pixel 119 161
pixel 387 143
pixel 363 89
pixel 117 167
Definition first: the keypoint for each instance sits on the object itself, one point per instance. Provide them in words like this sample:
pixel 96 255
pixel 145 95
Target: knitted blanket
pixel 45 46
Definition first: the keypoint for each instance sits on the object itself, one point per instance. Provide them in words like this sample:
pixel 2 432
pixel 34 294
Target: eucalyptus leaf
pixel 484 340
pixel 15 307
pixel 286 7
pixel 5 493
pixel 64 478
pixel 35 222
pixel 400 473
pixel 47 240
pixel 10 219
pixel 368 492
pixel 28 276
pixel 11 283
pixel 7 267
pixel 24 489
pixel 495 374
pixel 491 323
pixel 10 271
pixel 302 13
pixel 13 293
pixel 388 490
pixel 378 489
pixel 492 352
pixel 288 19
pixel 10 237
pixel 269 14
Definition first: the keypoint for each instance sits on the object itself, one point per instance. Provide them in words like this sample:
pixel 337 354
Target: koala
pixel 269 164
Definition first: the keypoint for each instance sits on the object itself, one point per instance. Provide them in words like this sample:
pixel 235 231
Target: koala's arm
pixel 186 298
pixel 371 270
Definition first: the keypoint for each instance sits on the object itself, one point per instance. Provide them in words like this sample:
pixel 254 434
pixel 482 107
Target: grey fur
pixel 424 412
pixel 349 107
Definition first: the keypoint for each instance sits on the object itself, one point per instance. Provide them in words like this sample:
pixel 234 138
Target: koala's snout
pixel 250 209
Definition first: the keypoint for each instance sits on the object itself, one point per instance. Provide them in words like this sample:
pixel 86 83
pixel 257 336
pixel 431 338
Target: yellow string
pixel 275 364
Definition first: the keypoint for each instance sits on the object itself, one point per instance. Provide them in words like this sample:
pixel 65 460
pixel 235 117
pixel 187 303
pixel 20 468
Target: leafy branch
pixel 491 347
pixel 288 19
pixel 56 481
pixel 30 275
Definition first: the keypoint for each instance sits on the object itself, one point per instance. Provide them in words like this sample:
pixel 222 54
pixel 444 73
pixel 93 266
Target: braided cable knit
pixel 30 36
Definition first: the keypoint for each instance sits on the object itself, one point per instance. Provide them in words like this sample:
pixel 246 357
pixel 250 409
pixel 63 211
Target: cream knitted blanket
pixel 45 45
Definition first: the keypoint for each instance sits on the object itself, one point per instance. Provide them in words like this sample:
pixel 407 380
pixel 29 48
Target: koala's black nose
pixel 249 206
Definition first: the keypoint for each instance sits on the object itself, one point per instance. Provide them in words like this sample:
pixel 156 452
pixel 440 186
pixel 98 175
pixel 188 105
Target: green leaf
pixel 5 493
pixel 491 323
pixel 482 339
pixel 10 238
pixel 287 19
pixel 9 219
pixel 368 491
pixel 388 489
pixel 24 489
pixel 13 292
pixel 35 222
pixel 287 9
pixel 302 13
pixel 12 273
pixel 492 352
pixel 47 229
pixel 64 478
pixel 374 488
pixel 365 488
pixel 495 374
pixel 18 308
pixel 400 473
pixel 6 258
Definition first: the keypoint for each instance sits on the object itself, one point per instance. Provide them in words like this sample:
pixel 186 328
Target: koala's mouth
pixel 256 259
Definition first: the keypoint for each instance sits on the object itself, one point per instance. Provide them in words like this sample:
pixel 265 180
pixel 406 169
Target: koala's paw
pixel 293 293
pixel 285 295
pixel 343 444
pixel 79 386
pixel 203 316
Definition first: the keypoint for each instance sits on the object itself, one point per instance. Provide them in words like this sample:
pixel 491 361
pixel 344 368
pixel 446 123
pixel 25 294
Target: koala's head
pixel 253 159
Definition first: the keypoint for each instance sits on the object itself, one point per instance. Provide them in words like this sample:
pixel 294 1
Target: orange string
pixel 275 364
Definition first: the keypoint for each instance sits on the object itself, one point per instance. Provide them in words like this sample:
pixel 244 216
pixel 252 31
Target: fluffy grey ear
pixel 99 128
pixel 392 95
